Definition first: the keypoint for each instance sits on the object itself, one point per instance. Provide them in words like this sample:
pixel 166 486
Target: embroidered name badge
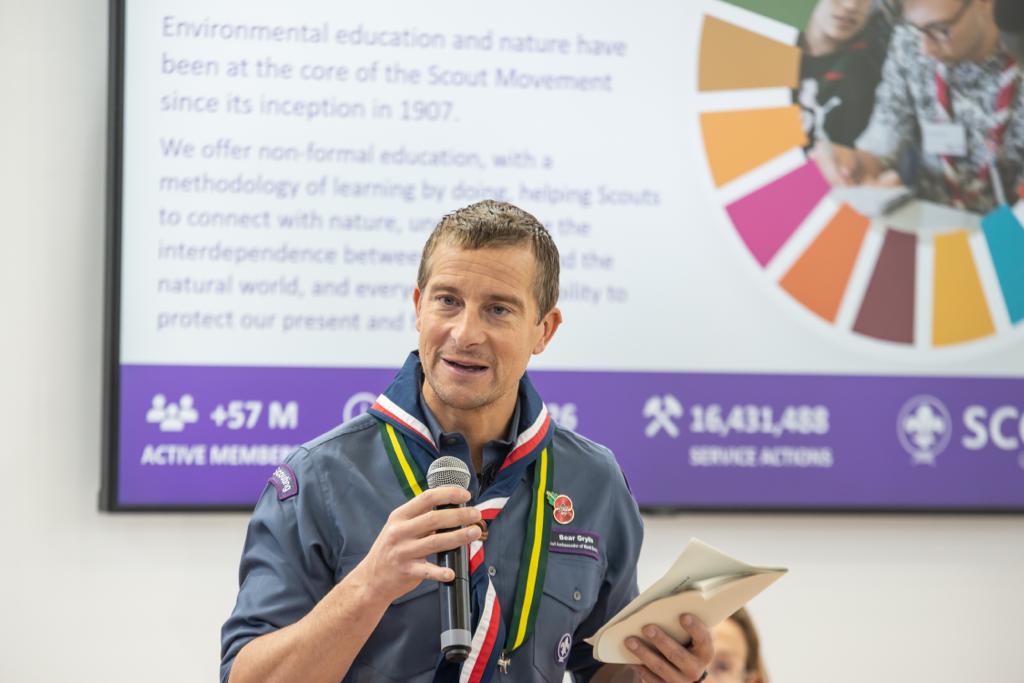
pixel 285 482
pixel 575 542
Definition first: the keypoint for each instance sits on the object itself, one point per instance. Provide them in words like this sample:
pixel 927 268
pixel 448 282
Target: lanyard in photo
pixel 1009 82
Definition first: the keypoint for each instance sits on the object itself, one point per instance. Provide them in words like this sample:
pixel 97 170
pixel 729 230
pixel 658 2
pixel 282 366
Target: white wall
pixel 90 596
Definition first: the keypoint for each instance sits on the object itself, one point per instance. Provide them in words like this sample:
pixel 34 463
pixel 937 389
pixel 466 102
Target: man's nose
pixel 468 330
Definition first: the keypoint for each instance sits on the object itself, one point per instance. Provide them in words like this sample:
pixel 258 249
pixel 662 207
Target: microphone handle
pixel 456 636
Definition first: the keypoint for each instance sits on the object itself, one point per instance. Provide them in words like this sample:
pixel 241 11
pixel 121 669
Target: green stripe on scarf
pixel 406 470
pixel 533 563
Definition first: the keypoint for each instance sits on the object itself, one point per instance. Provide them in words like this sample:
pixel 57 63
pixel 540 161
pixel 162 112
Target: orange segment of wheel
pixel 740 141
pixel 819 278
pixel 766 63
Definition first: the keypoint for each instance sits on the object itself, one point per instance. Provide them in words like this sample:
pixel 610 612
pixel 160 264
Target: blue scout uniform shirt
pixel 300 544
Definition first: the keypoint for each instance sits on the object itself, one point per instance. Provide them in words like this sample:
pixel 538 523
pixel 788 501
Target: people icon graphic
pixel 157 409
pixel 187 410
pixel 172 417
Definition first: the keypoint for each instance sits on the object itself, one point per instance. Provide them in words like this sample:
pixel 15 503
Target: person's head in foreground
pixel 834 23
pixel 485 302
pixel 953 31
pixel 737 652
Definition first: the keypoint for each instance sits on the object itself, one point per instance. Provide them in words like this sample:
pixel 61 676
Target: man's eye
pixel 446 300
pixel 499 310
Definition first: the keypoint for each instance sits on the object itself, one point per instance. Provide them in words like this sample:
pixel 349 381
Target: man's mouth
pixel 844 22
pixel 464 366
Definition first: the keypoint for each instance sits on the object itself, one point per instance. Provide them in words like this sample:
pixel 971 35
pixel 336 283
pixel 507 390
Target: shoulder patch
pixel 285 481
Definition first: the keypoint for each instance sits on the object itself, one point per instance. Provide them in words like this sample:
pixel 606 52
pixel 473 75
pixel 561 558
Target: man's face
pixel 477 319
pixel 841 20
pixel 950 31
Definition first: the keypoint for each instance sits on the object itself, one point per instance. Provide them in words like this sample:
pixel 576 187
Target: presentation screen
pixel 743 328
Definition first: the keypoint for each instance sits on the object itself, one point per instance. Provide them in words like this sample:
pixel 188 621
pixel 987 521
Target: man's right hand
pixel 843 166
pixel 323 644
pixel 397 561
pixel 839 164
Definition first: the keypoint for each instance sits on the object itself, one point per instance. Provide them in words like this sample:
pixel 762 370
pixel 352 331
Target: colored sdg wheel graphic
pixel 944 280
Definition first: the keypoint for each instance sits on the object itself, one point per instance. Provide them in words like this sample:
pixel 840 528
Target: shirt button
pixel 449 441
pixel 577 596
pixel 491 571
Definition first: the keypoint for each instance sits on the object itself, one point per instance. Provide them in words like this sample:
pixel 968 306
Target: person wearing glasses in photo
pixel 947 119
pixel 737 652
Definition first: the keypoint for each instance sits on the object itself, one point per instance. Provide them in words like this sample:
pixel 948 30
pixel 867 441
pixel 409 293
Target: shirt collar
pixel 438 434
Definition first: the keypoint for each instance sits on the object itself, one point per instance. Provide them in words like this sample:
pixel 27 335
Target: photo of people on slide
pixel 945 117
pixel 843 48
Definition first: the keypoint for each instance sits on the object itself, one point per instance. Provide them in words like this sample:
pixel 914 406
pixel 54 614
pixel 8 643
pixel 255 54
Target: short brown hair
pixel 491 223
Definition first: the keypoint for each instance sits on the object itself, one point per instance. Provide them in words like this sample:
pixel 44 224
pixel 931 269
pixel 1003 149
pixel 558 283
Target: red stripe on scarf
pixel 487 649
pixel 525 449
pixel 1009 91
pixel 377 406
pixel 942 92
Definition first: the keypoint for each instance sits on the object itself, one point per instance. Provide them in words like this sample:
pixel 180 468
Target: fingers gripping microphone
pixel 456 636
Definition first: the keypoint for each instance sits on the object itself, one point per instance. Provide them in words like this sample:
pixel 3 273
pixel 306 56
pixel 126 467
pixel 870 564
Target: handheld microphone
pixel 456 637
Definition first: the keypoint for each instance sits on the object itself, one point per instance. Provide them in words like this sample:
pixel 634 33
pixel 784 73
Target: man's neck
pixel 479 426
pixel 987 46
pixel 818 43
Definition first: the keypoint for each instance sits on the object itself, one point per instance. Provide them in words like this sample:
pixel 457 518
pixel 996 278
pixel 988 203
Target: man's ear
pixel 417 297
pixel 549 324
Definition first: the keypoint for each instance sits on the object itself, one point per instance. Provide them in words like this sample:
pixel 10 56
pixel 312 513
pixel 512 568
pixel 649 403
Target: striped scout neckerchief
pixel 964 194
pixel 411 448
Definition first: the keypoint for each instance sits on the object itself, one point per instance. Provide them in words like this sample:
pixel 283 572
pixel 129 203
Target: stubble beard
pixel 450 395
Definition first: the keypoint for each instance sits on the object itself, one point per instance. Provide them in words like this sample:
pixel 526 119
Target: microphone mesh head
pixel 448 471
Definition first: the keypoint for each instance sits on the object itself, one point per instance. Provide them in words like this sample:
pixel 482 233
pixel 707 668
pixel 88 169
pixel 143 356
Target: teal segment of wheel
pixel 1005 237
pixel 792 12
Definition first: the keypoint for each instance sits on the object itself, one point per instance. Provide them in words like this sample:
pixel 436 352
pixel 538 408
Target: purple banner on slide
pixel 211 436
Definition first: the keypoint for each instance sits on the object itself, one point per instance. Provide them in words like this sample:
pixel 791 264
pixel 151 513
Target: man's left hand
pixel 665 660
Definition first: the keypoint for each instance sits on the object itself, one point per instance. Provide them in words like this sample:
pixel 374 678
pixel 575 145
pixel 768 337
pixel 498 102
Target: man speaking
pixel 337 579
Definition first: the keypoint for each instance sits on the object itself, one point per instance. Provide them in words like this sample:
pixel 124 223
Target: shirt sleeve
pixel 624 533
pixel 893 121
pixel 287 565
